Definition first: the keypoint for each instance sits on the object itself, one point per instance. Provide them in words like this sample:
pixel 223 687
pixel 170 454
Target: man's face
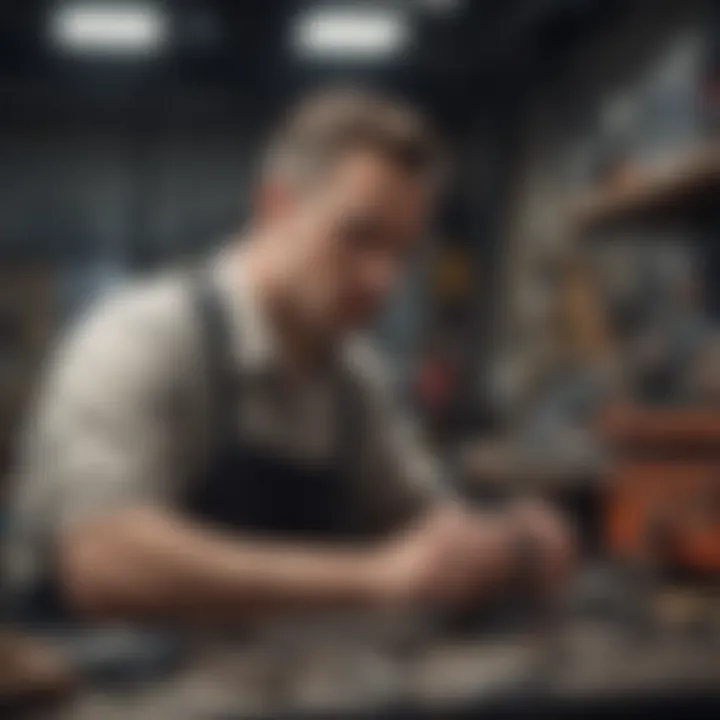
pixel 349 237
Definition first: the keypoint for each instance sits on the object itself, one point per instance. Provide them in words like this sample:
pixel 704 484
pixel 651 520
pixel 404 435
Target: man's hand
pixel 456 557
pixel 551 544
pixel 452 558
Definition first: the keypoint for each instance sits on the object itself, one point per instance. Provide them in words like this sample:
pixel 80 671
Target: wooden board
pixel 687 182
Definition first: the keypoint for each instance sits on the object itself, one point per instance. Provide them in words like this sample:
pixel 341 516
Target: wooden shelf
pixel 657 429
pixel 688 185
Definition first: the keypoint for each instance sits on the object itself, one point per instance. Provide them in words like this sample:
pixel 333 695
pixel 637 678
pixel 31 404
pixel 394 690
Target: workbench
pixel 586 665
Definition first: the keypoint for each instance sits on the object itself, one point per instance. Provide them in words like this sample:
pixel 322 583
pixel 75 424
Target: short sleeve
pixel 102 435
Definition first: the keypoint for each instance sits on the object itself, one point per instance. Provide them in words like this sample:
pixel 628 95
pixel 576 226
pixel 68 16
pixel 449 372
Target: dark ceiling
pixel 230 58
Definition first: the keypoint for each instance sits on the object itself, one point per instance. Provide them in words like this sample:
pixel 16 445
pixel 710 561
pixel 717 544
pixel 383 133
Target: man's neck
pixel 271 284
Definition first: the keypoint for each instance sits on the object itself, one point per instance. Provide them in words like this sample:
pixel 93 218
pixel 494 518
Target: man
pixel 217 445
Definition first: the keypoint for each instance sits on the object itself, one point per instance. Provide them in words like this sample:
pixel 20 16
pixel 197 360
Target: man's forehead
pixel 369 178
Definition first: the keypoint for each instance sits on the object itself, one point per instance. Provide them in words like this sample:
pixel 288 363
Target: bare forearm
pixel 149 564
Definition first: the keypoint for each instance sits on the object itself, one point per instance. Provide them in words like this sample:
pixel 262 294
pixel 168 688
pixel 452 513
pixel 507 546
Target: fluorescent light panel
pixel 128 28
pixel 350 32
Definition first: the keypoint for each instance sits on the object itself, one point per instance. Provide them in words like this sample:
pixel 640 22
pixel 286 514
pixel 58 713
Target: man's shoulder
pixel 158 297
pixel 138 328
pixel 157 306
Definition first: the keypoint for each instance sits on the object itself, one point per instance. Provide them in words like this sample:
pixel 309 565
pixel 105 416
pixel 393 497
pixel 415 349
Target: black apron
pixel 250 488
pixel 246 488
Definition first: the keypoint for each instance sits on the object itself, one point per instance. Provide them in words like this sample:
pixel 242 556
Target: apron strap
pixel 218 360
pixel 225 388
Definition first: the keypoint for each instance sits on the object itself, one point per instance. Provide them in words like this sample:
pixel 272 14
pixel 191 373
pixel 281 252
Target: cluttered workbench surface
pixel 599 648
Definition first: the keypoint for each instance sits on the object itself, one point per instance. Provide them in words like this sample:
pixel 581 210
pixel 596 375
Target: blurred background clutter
pixel 559 335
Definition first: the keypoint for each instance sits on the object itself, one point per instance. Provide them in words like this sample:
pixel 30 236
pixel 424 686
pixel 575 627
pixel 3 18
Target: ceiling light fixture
pixel 124 28
pixel 357 33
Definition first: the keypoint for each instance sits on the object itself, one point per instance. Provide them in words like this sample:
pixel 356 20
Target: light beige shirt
pixel 122 419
